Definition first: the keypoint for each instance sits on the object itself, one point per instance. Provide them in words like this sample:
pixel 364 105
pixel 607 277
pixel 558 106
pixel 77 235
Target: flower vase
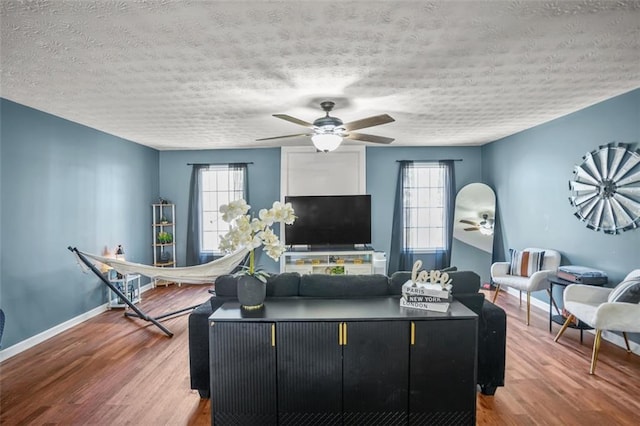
pixel 251 292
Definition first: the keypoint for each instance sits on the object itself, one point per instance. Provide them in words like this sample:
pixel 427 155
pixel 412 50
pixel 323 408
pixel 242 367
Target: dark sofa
pixel 466 286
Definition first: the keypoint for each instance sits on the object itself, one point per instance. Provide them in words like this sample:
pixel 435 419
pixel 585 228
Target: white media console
pixel 336 262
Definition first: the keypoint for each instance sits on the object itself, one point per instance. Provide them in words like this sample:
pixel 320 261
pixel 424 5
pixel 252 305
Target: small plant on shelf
pixel 165 237
pixel 164 220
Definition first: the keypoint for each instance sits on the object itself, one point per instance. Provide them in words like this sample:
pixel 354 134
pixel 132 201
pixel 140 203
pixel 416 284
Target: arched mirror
pixel 474 220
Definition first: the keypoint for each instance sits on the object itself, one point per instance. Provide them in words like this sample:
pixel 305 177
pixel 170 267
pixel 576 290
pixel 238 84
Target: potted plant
pixel 164 237
pixel 245 231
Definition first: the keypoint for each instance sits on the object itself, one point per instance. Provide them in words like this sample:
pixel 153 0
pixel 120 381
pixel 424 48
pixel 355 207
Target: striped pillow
pixel 525 263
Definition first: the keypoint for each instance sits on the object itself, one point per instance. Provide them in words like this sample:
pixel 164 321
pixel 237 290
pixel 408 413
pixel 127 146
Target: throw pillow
pixel 396 280
pixel 283 285
pixel 320 285
pixel 525 263
pixel 226 286
pixel 627 291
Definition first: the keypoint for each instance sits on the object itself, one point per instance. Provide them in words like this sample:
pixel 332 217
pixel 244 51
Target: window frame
pixel 234 189
pixel 415 221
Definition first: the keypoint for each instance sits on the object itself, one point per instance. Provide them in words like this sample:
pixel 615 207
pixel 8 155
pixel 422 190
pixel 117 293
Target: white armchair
pixel 611 309
pixel 535 282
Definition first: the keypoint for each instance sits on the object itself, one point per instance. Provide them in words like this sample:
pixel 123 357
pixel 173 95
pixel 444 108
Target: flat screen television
pixel 329 220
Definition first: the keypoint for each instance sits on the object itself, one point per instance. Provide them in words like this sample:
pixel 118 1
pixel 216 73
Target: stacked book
pixel 426 296
pixel 582 275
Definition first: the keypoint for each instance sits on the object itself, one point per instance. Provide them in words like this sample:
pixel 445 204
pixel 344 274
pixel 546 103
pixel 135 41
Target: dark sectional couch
pixel 466 286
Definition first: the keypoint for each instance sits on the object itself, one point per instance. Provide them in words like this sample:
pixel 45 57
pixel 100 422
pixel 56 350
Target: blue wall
pixel 530 172
pixel 65 184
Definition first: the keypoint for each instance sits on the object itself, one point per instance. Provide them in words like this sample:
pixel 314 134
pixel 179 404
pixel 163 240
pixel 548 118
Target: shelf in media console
pixel 341 247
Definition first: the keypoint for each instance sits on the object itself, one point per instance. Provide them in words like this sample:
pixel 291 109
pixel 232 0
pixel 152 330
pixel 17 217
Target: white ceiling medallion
pixel 605 190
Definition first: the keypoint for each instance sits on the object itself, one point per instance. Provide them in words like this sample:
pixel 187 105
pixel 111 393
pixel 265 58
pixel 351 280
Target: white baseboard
pixel 609 336
pixel 47 334
pixel 55 330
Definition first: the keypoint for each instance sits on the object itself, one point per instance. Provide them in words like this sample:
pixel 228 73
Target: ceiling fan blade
pixel 468 222
pixel 285 136
pixel 475 228
pixel 294 120
pixel 369 138
pixel 376 120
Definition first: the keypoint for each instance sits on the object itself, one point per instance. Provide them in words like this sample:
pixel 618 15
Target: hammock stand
pixel 137 312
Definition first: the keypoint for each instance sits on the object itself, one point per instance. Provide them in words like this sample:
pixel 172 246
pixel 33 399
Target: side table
pixel 558 318
pixel 129 284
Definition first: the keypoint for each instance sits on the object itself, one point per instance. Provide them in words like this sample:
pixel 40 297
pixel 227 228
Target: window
pixel 424 201
pixel 423 215
pixel 218 185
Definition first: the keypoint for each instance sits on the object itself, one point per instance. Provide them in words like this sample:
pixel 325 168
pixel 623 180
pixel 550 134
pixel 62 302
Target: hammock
pixel 198 274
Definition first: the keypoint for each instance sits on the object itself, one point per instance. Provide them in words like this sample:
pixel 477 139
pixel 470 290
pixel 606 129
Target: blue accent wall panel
pixel 264 186
pixel 530 171
pixel 65 184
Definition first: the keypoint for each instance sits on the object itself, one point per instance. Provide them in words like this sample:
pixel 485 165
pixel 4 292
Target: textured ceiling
pixel 209 74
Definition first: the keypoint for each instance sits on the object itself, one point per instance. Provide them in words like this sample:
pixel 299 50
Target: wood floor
pixel 114 370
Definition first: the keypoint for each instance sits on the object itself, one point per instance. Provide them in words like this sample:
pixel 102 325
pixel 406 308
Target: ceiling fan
pixel 328 132
pixel 485 226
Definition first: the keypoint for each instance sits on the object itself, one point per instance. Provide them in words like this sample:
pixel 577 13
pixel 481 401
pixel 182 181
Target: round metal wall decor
pixel 605 190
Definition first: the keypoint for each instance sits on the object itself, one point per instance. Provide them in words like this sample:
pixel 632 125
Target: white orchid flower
pixel 234 210
pixel 252 233
pixel 267 216
pixel 257 225
pixel 274 251
pixel 268 236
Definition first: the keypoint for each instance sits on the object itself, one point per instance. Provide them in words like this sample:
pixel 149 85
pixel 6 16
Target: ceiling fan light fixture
pixel 326 141
pixel 486 226
pixel 486 230
pixel 328 121
pixel 328 131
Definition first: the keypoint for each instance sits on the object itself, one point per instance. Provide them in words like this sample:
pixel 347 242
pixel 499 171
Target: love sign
pixel 433 276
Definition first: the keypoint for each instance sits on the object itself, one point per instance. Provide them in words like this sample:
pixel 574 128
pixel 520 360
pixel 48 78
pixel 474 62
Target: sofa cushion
pixel 226 286
pixel 320 285
pixel 525 263
pixel 278 285
pixel 464 282
pixel 519 283
pixel 396 281
pixel 283 285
